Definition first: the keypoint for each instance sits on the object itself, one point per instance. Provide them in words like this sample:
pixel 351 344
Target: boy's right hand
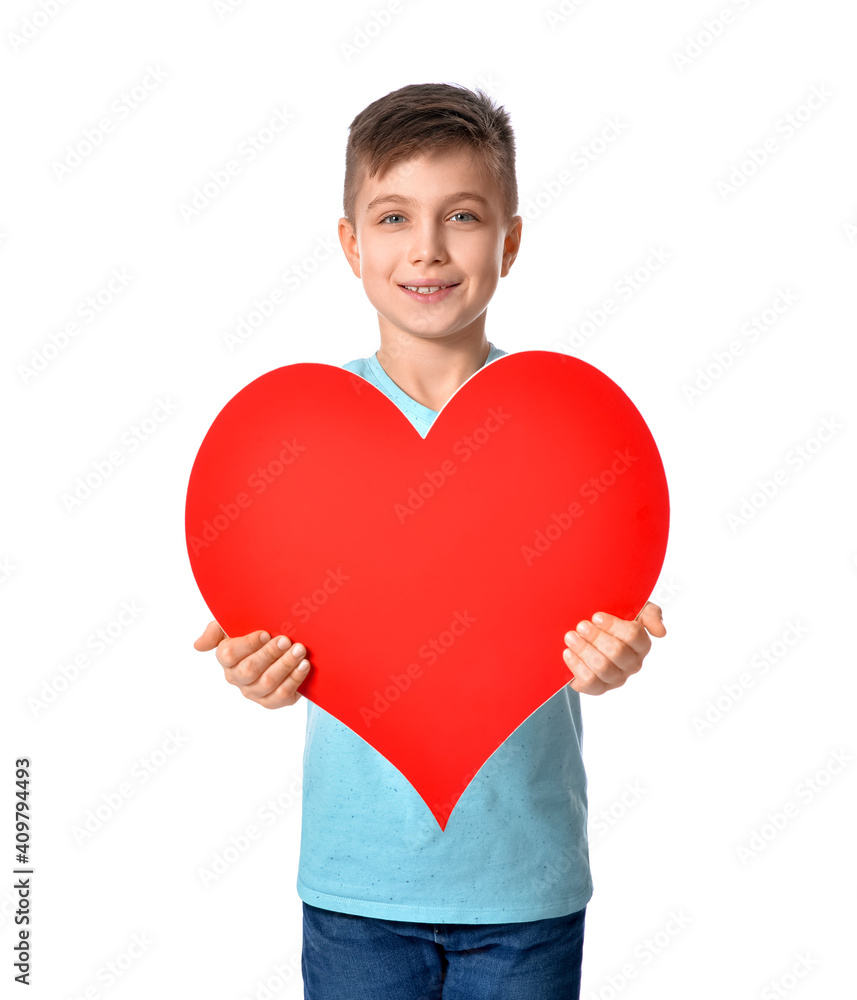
pixel 265 670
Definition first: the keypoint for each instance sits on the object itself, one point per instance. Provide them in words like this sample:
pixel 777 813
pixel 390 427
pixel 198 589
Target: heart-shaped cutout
pixel 432 579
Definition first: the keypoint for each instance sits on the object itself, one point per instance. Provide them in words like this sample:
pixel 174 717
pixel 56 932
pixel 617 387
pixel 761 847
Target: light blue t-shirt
pixel 515 847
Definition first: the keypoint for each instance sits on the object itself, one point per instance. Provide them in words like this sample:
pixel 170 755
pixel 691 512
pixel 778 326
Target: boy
pixel 493 906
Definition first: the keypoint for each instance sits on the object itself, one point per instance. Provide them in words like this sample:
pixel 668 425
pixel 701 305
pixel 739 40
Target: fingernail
pixel 264 637
pixel 282 642
pixel 303 665
pixel 298 649
pixel 598 618
pixel 583 628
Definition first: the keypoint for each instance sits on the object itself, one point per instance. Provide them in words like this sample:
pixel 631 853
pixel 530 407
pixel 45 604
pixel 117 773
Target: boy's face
pixel 436 219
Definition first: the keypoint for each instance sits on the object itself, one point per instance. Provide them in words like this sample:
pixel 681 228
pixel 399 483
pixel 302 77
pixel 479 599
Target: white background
pixel 673 800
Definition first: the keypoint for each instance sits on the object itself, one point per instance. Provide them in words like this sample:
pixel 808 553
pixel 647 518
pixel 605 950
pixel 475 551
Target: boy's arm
pixel 603 653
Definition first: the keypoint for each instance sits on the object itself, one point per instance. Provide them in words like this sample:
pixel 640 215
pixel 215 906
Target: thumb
pixel 209 639
pixel 651 618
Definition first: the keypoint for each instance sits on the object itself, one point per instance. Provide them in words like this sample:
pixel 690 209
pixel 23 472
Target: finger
pixel 584 679
pixel 612 644
pixel 291 664
pixel 232 651
pixel 608 630
pixel 286 692
pixel 612 664
pixel 652 618
pixel 248 669
pixel 209 639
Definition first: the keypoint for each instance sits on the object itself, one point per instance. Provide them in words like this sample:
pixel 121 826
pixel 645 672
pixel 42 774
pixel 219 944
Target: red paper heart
pixel 432 579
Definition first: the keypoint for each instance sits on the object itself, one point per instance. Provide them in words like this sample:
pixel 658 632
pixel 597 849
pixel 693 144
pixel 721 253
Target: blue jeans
pixel 348 957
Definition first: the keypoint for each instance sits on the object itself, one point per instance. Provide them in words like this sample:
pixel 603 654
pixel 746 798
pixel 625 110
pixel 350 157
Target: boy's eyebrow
pixel 401 199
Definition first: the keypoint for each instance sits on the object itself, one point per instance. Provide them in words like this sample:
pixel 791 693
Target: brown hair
pixel 423 117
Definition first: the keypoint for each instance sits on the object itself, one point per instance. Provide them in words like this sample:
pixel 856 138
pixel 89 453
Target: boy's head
pixel 427 118
pixel 430 200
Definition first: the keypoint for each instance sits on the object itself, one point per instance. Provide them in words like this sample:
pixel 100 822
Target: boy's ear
pixel 511 245
pixel 348 241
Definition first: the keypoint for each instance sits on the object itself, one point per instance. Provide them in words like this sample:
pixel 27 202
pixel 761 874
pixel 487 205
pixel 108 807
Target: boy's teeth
pixel 426 290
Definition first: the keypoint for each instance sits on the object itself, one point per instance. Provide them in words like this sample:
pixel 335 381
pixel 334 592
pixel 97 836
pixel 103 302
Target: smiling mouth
pixel 427 289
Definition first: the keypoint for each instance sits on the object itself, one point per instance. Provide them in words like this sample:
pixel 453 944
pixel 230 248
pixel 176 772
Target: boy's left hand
pixel 603 653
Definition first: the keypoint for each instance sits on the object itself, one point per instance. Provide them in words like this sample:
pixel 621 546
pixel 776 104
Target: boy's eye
pixel 395 215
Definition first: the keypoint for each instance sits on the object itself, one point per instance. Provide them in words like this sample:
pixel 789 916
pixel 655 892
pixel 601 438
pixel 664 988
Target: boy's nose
pixel 428 245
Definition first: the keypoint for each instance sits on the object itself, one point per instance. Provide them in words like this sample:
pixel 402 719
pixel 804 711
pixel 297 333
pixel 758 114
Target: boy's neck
pixel 431 371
